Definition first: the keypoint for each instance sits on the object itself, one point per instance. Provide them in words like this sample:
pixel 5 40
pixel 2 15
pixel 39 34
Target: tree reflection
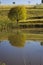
pixel 17 39
pixel 41 43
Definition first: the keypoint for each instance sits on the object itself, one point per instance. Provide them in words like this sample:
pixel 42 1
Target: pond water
pixel 30 54
pixel 16 50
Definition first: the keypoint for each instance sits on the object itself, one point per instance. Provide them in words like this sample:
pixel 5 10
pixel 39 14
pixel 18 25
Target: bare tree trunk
pixel 17 26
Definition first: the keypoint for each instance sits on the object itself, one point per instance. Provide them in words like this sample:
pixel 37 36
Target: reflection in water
pixel 1 63
pixel 17 39
pixel 41 43
pixel 30 54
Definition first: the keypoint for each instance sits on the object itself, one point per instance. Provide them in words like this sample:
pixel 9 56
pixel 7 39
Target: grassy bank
pixel 32 11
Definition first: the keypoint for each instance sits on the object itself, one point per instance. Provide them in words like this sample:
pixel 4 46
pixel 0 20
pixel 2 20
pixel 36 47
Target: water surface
pixel 29 54
pixel 21 49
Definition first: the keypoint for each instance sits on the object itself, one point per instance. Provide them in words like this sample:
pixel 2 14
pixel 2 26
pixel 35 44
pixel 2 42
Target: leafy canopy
pixel 17 13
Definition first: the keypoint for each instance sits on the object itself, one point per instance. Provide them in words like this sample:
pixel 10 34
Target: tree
pixel 13 2
pixel 42 1
pixel 17 13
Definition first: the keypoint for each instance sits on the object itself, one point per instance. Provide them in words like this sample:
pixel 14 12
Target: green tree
pixel 13 2
pixel 42 1
pixel 17 13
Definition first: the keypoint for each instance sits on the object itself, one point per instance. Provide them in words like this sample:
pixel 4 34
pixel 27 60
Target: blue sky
pixel 21 1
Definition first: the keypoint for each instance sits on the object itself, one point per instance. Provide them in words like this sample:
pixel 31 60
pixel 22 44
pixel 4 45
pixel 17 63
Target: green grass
pixel 32 11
